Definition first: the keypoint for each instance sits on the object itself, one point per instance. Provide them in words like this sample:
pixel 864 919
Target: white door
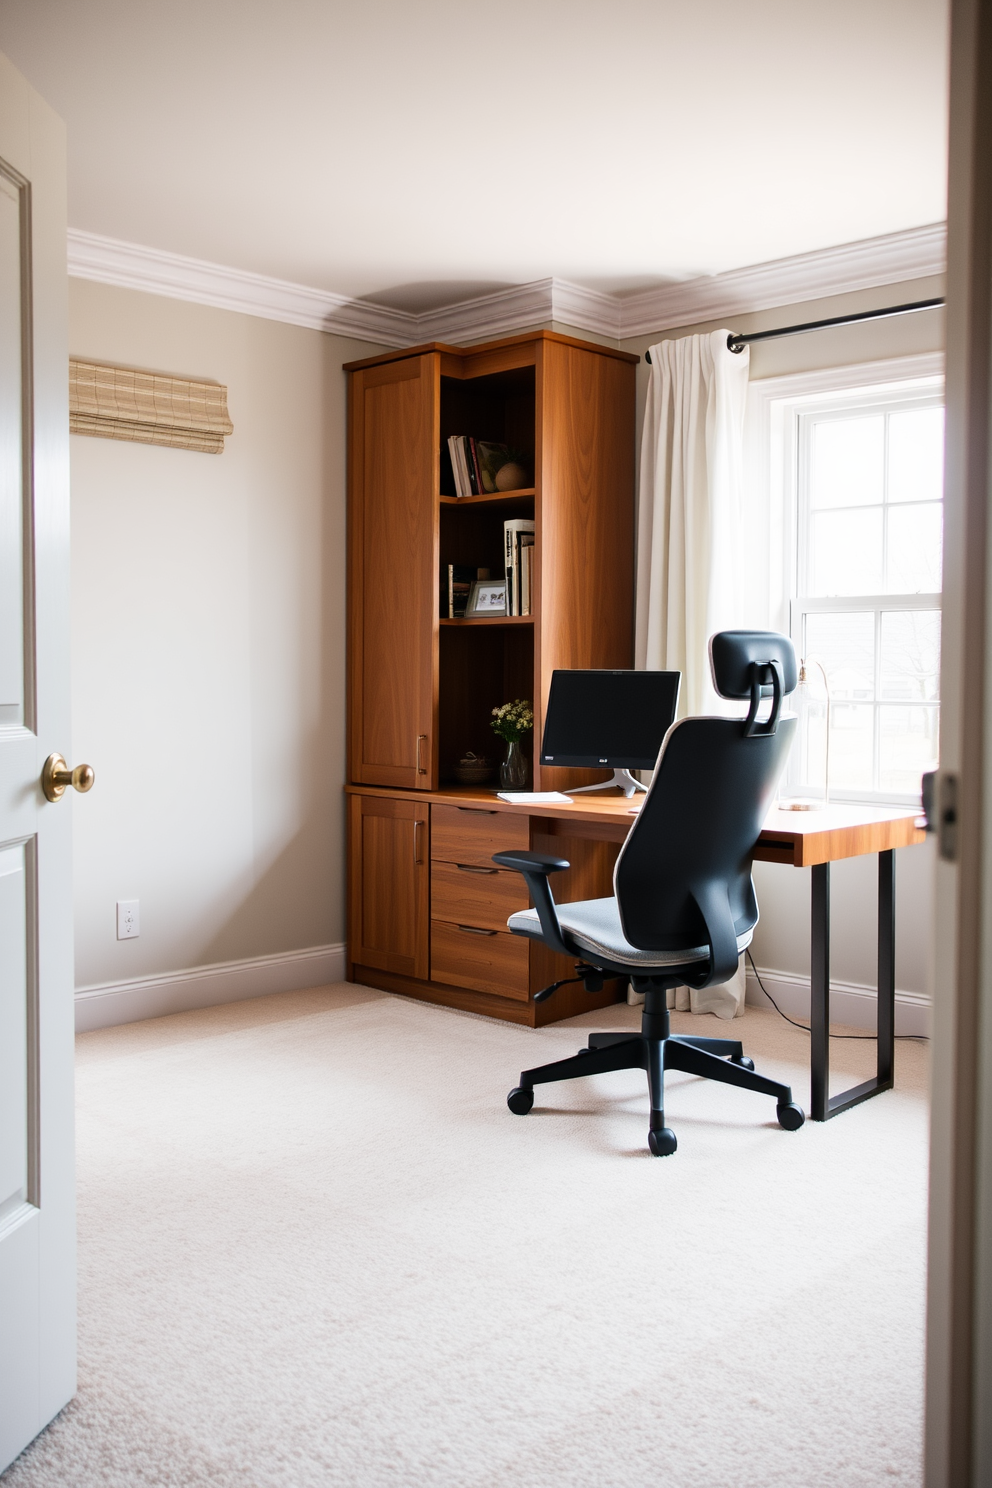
pixel 37 1239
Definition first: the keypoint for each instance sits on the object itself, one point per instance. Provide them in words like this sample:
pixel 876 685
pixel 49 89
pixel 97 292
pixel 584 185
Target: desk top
pixel 797 838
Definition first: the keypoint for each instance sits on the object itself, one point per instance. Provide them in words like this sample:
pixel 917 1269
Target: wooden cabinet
pixel 422 685
pixel 389 884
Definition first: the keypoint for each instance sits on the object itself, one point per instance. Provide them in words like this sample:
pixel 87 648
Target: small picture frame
pixel 486 597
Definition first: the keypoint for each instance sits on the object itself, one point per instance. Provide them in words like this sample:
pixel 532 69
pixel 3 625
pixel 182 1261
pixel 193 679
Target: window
pixel 867 475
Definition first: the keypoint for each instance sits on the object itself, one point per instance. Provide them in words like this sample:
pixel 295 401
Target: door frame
pixel 959 1321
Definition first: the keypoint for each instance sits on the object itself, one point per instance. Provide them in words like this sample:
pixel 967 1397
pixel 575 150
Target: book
pixel 513 532
pixel 456 584
pixel 459 465
pixel 526 573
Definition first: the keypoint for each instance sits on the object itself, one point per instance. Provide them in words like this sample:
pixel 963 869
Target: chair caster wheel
pixel 743 1063
pixel 520 1101
pixel 790 1117
pixel 662 1143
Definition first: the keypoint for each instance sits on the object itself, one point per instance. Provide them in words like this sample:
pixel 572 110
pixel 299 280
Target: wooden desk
pixel 809 839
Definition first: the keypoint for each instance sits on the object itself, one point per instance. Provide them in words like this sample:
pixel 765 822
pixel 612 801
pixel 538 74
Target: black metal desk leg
pixel 819 1010
pixel 886 969
pixel 823 1104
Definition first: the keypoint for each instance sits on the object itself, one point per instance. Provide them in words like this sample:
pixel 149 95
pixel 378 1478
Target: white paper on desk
pixel 534 798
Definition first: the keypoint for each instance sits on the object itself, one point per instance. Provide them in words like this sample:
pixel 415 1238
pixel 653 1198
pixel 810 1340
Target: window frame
pixel 778 494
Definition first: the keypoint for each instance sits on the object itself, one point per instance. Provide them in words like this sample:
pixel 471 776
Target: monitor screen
pixel 609 718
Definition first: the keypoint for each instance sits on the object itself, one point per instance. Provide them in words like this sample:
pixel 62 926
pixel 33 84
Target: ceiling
pixel 417 152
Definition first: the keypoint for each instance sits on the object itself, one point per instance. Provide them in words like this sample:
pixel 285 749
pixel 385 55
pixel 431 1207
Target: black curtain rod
pixel 737 342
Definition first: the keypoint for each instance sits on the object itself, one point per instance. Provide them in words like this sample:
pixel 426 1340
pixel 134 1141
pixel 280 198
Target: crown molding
pixel 132 266
pixel 487 316
pixel 914 254
pixel 587 309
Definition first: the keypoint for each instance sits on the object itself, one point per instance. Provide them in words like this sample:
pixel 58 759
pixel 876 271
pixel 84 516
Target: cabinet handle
pixel 478 810
pixel 418 856
pixel 471 868
pixel 421 739
pixel 473 930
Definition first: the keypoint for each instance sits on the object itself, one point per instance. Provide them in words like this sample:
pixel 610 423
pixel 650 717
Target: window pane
pixel 915 546
pixel 846 549
pixel 851 746
pixel 910 656
pixel 907 747
pixel 845 645
pixel 848 461
pixel 916 455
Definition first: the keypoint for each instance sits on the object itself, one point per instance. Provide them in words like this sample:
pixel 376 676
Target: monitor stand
pixel 622 779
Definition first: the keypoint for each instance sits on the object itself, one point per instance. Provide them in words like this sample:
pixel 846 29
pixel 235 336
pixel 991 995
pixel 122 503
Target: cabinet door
pixel 390 888
pixel 394 479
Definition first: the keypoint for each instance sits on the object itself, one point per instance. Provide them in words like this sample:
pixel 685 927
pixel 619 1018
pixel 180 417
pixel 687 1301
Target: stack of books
pixel 518 543
pixel 456 585
pixel 475 464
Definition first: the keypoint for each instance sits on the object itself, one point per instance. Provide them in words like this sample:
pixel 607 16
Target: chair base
pixel 656 1050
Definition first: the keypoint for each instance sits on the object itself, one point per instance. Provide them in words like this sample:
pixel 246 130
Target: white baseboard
pixel 205 986
pixel 850 1003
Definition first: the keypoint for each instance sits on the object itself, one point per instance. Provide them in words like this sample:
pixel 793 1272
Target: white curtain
pixel 689 537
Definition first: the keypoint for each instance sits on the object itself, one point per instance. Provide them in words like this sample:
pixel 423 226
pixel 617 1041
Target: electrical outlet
pixel 128 923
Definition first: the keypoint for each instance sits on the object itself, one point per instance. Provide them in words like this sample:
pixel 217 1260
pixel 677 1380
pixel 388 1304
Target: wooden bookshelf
pixel 488 620
pixel 422 686
pixel 490 499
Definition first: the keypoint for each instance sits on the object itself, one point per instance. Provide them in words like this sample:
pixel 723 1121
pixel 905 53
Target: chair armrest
pixel 530 862
pixel 536 868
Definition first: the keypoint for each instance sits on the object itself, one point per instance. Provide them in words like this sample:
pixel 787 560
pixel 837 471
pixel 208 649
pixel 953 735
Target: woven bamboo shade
pixel 121 403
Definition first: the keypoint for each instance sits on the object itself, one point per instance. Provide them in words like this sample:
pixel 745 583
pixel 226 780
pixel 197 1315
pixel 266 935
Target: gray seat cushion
pixel 594 926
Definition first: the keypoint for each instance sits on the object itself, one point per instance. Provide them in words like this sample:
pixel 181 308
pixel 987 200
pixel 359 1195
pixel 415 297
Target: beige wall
pixel 781 941
pixel 208 648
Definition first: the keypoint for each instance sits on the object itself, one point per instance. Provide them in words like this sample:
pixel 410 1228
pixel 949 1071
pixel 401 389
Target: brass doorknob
pixel 56 776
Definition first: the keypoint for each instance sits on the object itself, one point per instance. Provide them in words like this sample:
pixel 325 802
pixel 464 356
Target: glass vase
pixel 514 772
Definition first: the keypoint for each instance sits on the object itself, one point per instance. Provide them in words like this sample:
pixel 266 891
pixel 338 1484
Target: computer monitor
pixel 612 718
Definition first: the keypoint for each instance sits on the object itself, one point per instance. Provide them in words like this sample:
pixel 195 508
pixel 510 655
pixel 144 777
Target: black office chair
pixel 684 906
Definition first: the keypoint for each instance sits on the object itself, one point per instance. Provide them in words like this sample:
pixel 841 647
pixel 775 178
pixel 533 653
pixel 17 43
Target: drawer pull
pixel 471 868
pixel 478 810
pixel 473 930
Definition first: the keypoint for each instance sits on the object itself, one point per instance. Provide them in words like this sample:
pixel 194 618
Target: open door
pixel 37 1241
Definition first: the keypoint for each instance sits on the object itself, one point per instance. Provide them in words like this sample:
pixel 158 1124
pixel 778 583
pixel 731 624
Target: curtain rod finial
pixel 735 343
pixel 647 357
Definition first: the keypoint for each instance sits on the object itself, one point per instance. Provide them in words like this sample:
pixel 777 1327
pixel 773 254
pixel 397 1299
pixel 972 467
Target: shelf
pixel 487 500
pixel 491 620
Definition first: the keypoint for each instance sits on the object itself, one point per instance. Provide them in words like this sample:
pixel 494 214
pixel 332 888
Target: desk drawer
pixel 489 961
pixel 470 895
pixel 462 835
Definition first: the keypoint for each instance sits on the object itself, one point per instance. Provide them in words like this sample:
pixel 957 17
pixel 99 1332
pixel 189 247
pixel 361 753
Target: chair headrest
pixel 733 653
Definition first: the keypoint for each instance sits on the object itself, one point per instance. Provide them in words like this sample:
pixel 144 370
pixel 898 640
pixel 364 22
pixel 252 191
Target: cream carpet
pixel 317 1251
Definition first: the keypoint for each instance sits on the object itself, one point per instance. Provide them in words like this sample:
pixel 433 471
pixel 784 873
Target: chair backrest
pixel 715 780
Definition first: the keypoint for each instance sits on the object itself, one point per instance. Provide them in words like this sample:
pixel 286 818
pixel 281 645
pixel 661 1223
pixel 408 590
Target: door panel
pixel 393 573
pixel 13 226
pixel 18 1018
pixel 37 1259
pixel 390 859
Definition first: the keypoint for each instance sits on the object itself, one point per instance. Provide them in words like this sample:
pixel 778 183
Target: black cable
pixel 917 1037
